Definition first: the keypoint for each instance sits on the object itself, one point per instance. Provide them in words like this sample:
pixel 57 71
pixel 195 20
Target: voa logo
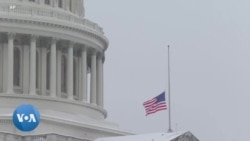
pixel 26 117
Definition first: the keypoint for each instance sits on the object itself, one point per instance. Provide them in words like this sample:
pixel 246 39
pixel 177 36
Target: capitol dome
pixel 52 57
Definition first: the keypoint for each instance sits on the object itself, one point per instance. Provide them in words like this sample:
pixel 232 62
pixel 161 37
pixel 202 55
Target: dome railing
pixel 45 12
pixel 42 137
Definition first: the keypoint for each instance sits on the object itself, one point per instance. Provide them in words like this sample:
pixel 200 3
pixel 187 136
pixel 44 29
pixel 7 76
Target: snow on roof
pixel 152 137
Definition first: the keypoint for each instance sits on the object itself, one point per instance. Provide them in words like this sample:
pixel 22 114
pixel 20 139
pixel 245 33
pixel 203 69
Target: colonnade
pixel 75 6
pixel 52 72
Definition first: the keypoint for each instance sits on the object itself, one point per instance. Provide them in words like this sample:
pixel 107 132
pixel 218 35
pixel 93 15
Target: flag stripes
pixel 156 104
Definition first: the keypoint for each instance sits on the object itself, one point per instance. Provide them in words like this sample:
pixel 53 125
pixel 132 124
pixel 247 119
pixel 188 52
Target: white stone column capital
pixel 33 38
pixel 54 40
pixel 93 52
pixel 71 44
pixel 83 48
pixel 11 35
pixel 100 56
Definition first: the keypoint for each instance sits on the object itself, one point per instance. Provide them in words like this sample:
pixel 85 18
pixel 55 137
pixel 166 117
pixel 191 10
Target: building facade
pixel 164 136
pixel 52 57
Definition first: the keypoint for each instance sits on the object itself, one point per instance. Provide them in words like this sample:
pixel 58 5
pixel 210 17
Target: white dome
pixel 52 57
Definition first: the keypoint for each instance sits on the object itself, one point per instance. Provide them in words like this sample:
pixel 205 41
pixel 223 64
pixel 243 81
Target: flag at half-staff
pixel 155 104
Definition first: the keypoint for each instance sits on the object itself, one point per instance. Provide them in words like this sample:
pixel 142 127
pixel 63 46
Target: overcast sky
pixel 210 64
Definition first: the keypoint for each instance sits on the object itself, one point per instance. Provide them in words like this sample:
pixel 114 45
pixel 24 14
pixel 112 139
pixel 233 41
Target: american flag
pixel 156 104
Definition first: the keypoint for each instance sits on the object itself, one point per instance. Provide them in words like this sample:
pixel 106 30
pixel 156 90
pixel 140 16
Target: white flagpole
pixel 169 104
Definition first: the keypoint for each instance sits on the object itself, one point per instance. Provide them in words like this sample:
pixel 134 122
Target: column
pixel 76 79
pixel 10 63
pixel 32 90
pixel 1 65
pixel 26 70
pixel 100 80
pixel 70 72
pixel 5 66
pixel 43 70
pixel 55 3
pixel 93 79
pixel 59 67
pixel 79 77
pixel 66 5
pixel 84 75
pixel 53 68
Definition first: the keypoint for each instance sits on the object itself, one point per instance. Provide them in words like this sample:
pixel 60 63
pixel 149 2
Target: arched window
pixel 48 71
pixel 64 74
pixel 16 66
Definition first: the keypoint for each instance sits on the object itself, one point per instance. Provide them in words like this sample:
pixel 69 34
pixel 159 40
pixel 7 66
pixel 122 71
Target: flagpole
pixel 169 104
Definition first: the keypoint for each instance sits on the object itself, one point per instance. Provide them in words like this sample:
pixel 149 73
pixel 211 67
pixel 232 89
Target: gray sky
pixel 210 58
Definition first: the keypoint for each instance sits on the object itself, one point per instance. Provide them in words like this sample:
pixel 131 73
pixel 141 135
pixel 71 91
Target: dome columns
pixel 100 79
pixel 79 59
pixel 53 68
pixel 73 6
pixel 93 78
pixel 70 79
pixel 10 63
pixel 32 86
pixel 84 76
